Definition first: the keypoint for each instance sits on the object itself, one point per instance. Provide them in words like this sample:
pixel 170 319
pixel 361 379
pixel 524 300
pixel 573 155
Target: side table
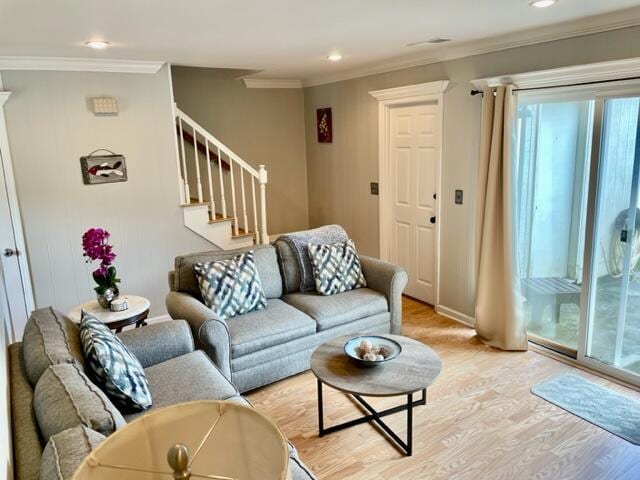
pixel 136 314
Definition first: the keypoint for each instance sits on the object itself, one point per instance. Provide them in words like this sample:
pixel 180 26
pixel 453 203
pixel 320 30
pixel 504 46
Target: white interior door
pixel 413 156
pixel 10 270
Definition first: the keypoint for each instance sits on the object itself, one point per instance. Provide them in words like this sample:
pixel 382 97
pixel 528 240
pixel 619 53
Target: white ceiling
pixel 289 38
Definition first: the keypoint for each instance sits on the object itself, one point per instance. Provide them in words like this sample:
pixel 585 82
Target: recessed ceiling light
pixel 97 44
pixel 431 40
pixel 542 3
pixel 334 57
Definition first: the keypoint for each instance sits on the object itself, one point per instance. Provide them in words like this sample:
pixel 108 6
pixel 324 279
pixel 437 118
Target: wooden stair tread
pixel 219 218
pixel 194 204
pixel 242 234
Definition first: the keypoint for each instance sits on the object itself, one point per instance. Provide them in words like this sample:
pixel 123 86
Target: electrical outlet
pixel 374 188
pixel 458 197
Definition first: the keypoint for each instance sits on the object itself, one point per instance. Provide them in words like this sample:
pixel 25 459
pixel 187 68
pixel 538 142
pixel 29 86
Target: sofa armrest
pixel 210 332
pixel 158 342
pixel 390 280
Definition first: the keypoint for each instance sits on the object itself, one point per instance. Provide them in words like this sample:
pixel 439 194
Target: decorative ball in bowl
pixel 372 349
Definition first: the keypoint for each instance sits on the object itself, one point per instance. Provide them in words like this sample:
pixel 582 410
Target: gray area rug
pixel 601 406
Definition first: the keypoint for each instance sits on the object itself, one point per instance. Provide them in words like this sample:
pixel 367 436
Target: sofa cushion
pixel 231 287
pixel 49 338
pixel 288 267
pixel 113 366
pixel 184 379
pixel 338 309
pixel 276 324
pixel 266 262
pixel 64 398
pixel 336 267
pixel 66 450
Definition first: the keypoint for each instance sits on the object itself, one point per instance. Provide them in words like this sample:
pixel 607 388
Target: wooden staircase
pixel 213 173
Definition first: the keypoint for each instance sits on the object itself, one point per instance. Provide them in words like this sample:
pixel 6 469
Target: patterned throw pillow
pixel 113 367
pixel 231 287
pixel 336 267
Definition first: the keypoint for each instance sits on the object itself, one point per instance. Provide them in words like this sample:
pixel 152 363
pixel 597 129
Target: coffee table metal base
pixel 376 417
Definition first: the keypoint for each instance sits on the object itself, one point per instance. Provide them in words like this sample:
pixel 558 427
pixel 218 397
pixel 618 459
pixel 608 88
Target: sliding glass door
pixel 612 326
pixel 553 164
pixel 578 224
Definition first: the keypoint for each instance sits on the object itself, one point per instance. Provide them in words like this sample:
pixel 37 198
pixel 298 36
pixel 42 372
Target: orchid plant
pixel 95 243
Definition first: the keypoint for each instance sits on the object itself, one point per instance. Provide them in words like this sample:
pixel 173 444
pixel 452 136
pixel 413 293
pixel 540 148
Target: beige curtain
pixel 499 319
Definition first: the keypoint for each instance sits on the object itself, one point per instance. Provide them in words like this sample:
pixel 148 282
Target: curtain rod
pixel 595 82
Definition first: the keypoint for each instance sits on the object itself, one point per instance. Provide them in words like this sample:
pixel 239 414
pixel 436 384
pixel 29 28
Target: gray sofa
pixel 267 345
pixel 53 400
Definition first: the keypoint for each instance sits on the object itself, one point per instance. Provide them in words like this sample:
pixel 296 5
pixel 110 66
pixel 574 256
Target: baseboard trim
pixel 158 319
pixel 455 315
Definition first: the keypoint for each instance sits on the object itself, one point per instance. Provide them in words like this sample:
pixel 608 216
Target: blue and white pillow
pixel 113 367
pixel 231 287
pixel 336 267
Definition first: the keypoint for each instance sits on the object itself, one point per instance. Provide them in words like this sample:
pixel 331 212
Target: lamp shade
pixel 205 439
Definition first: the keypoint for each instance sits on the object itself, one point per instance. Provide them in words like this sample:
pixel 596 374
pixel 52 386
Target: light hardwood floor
pixel 480 422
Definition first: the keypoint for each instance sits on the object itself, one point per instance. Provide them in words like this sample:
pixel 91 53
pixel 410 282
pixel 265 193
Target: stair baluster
pixel 236 230
pixel 264 236
pixel 187 194
pixel 244 203
pixel 197 160
pixel 255 210
pixel 211 199
pixel 223 198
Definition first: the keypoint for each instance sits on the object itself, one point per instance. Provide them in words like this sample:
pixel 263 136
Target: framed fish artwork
pixel 103 168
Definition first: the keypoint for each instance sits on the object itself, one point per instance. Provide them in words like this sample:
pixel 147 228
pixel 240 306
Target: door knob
pixel 432 219
pixel 9 252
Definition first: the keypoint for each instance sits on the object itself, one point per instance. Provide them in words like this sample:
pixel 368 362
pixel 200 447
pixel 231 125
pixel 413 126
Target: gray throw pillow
pixel 336 267
pixel 64 397
pixel 49 338
pixel 231 287
pixel 66 450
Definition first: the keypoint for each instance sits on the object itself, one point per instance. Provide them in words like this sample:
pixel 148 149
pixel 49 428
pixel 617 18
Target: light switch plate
pixel 105 106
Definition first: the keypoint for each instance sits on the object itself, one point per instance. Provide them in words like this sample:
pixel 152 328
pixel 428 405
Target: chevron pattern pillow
pixel 113 367
pixel 336 267
pixel 231 287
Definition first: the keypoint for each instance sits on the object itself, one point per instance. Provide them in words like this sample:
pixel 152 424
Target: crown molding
pixel 4 96
pixel 591 72
pixel 271 83
pixel 586 26
pixel 430 88
pixel 78 64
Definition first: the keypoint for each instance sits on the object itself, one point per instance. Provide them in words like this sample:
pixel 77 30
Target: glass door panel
pixel 553 157
pixel 613 330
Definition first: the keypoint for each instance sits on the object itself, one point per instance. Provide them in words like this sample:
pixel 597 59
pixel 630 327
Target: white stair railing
pixel 223 152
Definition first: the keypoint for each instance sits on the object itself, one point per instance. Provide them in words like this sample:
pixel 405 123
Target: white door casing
pixel 410 157
pixel 14 268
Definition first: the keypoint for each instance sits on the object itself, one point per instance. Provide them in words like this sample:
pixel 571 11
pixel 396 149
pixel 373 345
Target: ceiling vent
pixel 434 40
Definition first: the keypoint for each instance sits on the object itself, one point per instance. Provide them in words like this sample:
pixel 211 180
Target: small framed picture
pixel 325 125
pixel 103 169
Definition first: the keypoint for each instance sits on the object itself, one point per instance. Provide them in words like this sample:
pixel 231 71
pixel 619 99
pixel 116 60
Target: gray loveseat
pixel 51 397
pixel 267 345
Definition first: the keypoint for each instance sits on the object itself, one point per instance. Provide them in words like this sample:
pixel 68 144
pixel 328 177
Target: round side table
pixel 136 314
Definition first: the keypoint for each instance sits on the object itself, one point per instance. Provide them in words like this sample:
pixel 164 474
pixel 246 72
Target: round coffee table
pixel 413 370
pixel 136 314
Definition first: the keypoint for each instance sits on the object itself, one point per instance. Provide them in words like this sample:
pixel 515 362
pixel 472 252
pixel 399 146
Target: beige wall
pixel 50 128
pixel 339 173
pixel 263 126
